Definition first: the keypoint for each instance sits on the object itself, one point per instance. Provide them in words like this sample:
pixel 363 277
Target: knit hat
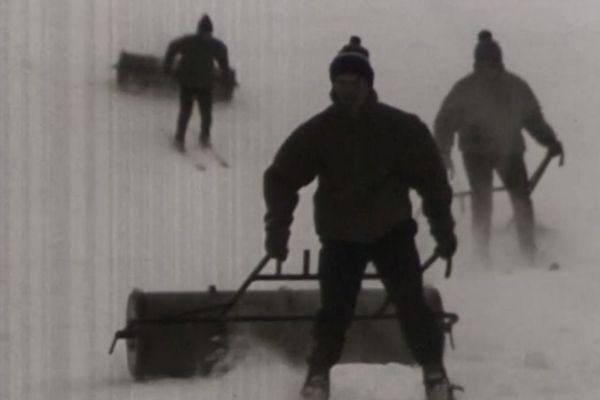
pixel 351 62
pixel 205 24
pixel 487 49
pixel 355 45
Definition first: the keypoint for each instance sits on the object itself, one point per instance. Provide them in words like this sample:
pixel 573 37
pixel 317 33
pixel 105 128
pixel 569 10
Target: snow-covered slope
pixel 93 202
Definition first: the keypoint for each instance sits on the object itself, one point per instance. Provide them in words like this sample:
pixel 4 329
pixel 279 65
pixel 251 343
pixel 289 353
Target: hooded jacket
pixel 198 54
pixel 488 115
pixel 365 167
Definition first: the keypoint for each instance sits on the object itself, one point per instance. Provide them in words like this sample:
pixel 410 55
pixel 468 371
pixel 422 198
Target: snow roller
pixel 181 334
pixel 137 73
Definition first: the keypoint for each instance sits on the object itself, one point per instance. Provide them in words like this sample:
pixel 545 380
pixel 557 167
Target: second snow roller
pixel 181 334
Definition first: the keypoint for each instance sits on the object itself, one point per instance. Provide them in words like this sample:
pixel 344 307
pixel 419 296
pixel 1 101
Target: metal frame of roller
pixel 180 334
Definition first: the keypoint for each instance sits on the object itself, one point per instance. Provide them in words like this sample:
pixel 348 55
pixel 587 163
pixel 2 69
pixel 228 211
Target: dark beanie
pixel 351 62
pixel 487 49
pixel 205 24
pixel 354 45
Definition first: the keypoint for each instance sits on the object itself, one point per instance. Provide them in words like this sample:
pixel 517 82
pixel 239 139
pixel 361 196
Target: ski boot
pixel 316 386
pixel 205 142
pixel 179 144
pixel 438 387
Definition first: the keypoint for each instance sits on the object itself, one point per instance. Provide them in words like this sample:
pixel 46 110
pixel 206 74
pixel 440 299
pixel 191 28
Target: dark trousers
pixel 341 267
pixel 203 96
pixel 512 171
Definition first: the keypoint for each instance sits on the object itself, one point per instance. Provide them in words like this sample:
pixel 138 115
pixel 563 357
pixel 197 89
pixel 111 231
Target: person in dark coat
pixel 195 73
pixel 366 156
pixel 488 109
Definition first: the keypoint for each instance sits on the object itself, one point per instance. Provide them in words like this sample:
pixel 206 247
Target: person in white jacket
pixel 488 109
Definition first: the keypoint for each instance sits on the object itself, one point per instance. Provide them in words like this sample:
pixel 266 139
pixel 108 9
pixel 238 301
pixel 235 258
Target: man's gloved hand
pixel 276 246
pixel 556 150
pixel 446 245
pixel 228 77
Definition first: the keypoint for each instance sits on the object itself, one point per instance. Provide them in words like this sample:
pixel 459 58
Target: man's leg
pixel 186 102
pixel 513 172
pixel 397 262
pixel 479 169
pixel 204 97
pixel 341 266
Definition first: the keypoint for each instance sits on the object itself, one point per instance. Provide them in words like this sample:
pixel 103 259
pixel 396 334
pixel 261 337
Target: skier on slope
pixel 488 108
pixel 195 73
pixel 366 156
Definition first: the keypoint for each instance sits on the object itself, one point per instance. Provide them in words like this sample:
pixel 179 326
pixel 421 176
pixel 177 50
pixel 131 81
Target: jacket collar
pixel 366 108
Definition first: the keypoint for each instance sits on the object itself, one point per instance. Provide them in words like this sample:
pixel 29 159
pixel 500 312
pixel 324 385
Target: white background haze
pixel 93 202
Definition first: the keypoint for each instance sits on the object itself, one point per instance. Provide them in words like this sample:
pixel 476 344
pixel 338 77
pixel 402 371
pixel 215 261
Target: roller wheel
pixel 135 346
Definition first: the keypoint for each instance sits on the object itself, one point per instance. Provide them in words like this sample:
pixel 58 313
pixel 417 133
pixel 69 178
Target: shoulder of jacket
pixel 462 86
pixel 516 80
pixel 187 38
pixel 316 121
pixel 183 41
pixel 397 116
pixel 511 75
pixel 178 40
pixel 466 81
pixel 218 43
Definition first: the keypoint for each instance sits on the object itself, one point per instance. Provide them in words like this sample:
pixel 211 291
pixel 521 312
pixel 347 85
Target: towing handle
pixel 539 172
pixel 432 259
pixel 222 309
pixel 535 178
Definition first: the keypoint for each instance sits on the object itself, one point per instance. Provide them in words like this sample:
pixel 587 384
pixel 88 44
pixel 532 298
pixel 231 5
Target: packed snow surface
pixel 94 202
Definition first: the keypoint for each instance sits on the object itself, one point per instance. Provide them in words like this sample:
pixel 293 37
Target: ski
pixel 212 152
pixel 200 166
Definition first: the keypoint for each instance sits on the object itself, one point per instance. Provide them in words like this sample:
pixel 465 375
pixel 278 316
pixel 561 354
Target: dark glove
pixel 555 149
pixel 446 245
pixel 276 246
pixel 229 78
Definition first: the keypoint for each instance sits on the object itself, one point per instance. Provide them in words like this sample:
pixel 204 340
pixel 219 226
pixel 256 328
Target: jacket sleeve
pixel 533 119
pixel 294 166
pixel 428 177
pixel 222 57
pixel 172 50
pixel 448 120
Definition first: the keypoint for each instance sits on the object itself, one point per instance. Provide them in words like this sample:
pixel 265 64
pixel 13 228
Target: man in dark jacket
pixel 195 73
pixel 366 156
pixel 488 109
